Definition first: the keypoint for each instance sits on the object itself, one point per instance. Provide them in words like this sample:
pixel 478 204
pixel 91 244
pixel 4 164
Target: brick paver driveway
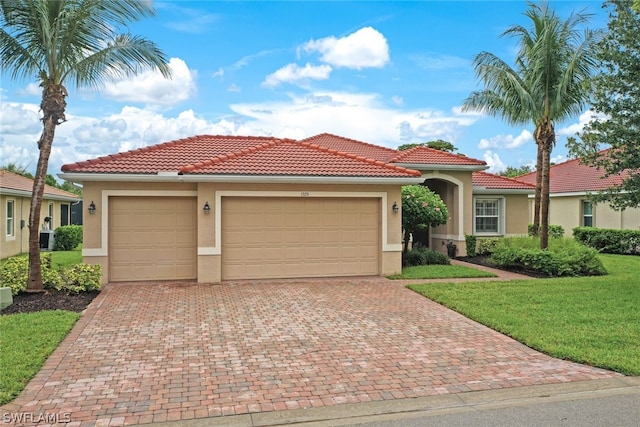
pixel 167 351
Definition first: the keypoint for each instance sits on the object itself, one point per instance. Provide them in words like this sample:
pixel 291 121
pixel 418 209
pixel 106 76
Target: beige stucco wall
pixel 19 242
pixel 456 191
pixel 567 212
pixel 516 214
pixel 209 258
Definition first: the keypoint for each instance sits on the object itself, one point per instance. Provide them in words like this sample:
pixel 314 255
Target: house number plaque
pixel 304 194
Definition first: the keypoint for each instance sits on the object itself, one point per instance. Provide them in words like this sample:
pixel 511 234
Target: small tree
pixel 421 209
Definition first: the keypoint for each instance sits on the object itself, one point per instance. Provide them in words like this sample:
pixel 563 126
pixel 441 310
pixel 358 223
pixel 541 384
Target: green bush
pixel 15 273
pixel 564 257
pixel 424 256
pixel 608 240
pixel 555 231
pixel 81 278
pixel 67 237
pixel 470 241
pixel 486 246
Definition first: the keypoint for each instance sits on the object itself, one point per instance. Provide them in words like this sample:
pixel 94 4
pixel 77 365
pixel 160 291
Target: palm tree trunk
pixel 34 283
pixel 544 196
pixel 538 195
pixel 53 106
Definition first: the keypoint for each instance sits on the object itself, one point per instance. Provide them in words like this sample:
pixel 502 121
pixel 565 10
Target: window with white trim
pixel 487 215
pixel 587 214
pixel 11 220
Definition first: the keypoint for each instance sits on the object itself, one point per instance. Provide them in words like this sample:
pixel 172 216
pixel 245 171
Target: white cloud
pixel 32 89
pixel 506 141
pixel 439 61
pixel 575 128
pixel 494 162
pixel 234 88
pixel 397 100
pixel 365 48
pixel 19 119
pixel 151 88
pixel 219 73
pixel 292 73
pixel 354 115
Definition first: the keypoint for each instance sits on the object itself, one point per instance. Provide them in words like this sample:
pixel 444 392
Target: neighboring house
pixel 15 199
pixel 570 184
pixel 213 208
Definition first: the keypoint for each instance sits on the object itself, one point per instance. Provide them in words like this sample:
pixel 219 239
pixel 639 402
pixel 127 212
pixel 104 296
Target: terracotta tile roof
pixel 573 176
pixel 169 156
pixel 242 155
pixel 431 156
pixel 353 146
pixel 10 181
pixel 298 158
pixel 497 182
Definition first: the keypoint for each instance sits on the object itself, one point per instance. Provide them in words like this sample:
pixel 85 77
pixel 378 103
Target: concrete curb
pixel 348 414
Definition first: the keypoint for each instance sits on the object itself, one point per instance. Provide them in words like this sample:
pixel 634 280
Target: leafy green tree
pixel 61 42
pixel 616 100
pixel 438 144
pixel 514 172
pixel 18 170
pixel 421 209
pixel 546 85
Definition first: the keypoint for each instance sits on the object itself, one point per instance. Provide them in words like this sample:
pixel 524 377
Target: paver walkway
pixel 153 352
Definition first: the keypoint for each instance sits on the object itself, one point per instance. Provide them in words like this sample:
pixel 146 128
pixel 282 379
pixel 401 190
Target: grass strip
pixel 592 320
pixel 26 340
pixel 441 272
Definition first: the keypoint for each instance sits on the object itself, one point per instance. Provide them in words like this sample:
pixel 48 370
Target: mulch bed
pixel 484 261
pixel 50 300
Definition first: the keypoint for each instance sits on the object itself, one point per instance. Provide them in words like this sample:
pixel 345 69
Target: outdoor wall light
pixel 92 208
pixel 395 207
pixel 206 208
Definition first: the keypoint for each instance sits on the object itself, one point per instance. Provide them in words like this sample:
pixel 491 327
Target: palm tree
pixel 547 85
pixel 76 41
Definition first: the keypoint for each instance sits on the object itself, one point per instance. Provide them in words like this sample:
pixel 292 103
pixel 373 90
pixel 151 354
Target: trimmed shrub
pixel 470 241
pixel 486 246
pixel 564 257
pixel 81 278
pixel 15 273
pixel 424 256
pixel 555 231
pixel 67 237
pixel 609 240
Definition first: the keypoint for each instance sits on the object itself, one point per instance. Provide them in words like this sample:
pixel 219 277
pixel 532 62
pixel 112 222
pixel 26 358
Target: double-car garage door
pixel 155 238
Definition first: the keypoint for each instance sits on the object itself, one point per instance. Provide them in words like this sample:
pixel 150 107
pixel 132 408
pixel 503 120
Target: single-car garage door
pixel 152 238
pixel 299 237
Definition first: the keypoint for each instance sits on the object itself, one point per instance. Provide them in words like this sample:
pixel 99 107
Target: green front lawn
pixel 26 340
pixel 593 320
pixel 61 258
pixel 441 272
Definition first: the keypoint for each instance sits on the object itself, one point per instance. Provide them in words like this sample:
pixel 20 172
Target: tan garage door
pixel 299 237
pixel 152 238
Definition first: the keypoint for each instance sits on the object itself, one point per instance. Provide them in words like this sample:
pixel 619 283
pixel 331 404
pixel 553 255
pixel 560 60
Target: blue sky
pixel 387 73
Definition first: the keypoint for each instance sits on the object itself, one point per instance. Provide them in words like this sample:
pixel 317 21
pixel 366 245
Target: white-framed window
pixel 488 215
pixel 11 218
pixel 587 214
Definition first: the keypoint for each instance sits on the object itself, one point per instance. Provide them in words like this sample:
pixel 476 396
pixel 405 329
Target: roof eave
pixel 482 190
pixel 47 196
pixel 275 179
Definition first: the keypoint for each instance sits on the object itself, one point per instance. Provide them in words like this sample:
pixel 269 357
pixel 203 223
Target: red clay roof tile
pixel 431 156
pixel 497 182
pixel 573 176
pixel 15 182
